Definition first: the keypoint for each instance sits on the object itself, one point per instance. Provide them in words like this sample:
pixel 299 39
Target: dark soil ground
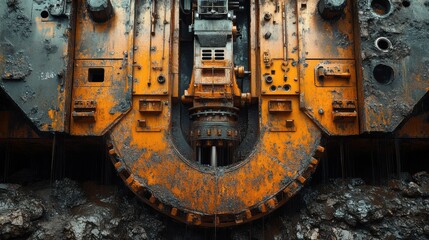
pixel 339 209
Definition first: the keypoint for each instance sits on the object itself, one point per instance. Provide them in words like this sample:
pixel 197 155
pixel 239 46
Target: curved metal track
pixel 215 220
pixel 215 197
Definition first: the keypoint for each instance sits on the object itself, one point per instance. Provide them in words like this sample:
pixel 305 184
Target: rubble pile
pixel 68 211
pixel 348 209
pixel 18 212
pixel 340 209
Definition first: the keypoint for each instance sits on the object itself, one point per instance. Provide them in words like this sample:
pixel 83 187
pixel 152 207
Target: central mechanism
pixel 164 83
pixel 213 90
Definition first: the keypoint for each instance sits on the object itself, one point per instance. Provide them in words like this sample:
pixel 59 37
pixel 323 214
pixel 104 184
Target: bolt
pixel 321 112
pixel 267 35
pixel 100 10
pixel 161 79
pixel 268 79
pixel 267 16
pixel 331 9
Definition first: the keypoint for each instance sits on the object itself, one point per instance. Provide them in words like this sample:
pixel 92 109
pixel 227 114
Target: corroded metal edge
pixel 214 220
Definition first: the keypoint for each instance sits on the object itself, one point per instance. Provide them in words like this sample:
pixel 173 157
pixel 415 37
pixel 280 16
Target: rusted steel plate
pixel 395 58
pixel 35 60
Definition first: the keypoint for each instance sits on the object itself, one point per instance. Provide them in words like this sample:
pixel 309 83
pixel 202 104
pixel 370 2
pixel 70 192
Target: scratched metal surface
pixel 386 105
pixel 34 60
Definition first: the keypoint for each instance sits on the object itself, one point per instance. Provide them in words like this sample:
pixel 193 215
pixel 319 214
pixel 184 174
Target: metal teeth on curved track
pixel 219 220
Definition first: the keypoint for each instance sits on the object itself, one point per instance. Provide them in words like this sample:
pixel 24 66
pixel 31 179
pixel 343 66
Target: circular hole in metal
pixel 286 87
pixel 273 88
pixel 267 16
pixel 161 79
pixel 383 44
pixel 406 3
pixel 381 7
pixel 268 79
pixel 44 14
pixel 383 74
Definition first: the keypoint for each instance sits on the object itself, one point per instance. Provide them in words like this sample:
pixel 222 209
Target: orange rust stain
pixel 142 139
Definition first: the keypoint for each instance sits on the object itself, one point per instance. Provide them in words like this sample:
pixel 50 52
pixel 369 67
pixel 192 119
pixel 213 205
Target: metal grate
pixel 219 54
pixel 208 54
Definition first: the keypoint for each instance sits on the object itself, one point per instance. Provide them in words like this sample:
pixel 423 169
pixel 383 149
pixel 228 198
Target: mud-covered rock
pixel 18 212
pixel 138 221
pixel 412 190
pixel 15 223
pixel 89 222
pixel 422 179
pixel 113 219
pixel 68 193
pixel 340 209
pixel 68 210
pixel 343 209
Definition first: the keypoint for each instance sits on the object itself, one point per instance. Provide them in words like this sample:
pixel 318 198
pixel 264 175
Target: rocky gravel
pixel 69 210
pixel 344 210
pixel 339 209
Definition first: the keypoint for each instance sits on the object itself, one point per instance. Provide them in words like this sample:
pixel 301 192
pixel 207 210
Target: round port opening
pixel 44 14
pixel 286 87
pixel 161 79
pixel 406 3
pixel 268 79
pixel 273 88
pixel 381 7
pixel 383 44
pixel 383 74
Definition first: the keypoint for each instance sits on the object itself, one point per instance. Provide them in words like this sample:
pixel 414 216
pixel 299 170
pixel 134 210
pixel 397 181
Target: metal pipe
pixel 199 155
pixel 213 159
